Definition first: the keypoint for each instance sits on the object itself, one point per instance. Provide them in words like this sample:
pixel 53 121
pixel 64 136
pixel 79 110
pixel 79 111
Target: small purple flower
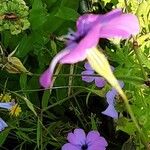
pixel 99 81
pixel 3 124
pixel 90 28
pixel 79 141
pixel 110 98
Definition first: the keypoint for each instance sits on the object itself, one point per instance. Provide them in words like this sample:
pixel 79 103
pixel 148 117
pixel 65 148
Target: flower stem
pixel 129 109
pixel 136 51
pixel 70 79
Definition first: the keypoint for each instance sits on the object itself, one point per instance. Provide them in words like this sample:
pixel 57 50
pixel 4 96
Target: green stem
pixel 80 109
pixel 41 135
pixel 78 115
pixel 70 79
pixel 136 51
pixel 128 107
pixel 126 5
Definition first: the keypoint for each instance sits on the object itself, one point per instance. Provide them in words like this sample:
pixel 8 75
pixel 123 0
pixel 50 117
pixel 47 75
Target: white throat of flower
pixel 70 36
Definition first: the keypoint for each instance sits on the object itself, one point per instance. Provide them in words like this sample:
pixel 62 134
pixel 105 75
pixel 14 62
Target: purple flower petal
pixel 69 146
pixel 104 19
pixel 110 96
pixel 97 145
pixel 121 83
pixel 100 82
pixel 7 105
pixel 112 68
pixel 79 53
pixel 94 136
pixel 122 26
pixel 111 112
pixel 112 93
pixel 46 77
pixel 3 124
pixel 77 138
pixel 87 21
pixel 87 78
pixel 88 66
pixel 113 24
pixel 112 14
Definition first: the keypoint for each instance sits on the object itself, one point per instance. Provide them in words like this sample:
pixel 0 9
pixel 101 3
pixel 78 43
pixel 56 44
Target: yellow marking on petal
pixel 5 97
pixel 15 110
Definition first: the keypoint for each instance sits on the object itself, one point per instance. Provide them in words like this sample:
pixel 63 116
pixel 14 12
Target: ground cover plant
pixel 74 74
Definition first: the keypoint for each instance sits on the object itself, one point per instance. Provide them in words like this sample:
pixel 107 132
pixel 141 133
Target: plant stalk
pixel 136 51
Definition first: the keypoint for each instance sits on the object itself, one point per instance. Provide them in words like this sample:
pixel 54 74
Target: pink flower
pixel 90 28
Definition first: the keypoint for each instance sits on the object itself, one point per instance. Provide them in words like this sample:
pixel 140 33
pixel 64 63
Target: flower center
pixel 72 37
pixel 79 38
pixel 84 147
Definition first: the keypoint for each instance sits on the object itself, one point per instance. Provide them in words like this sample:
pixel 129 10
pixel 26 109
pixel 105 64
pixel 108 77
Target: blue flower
pixel 3 124
pixel 110 98
pixel 99 81
pixel 8 106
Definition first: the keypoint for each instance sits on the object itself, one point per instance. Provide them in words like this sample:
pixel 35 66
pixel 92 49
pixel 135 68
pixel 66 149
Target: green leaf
pixel 3 136
pixel 38 132
pixel 126 125
pixel 54 47
pixel 145 60
pixel 129 145
pixel 93 122
pixel 38 14
pixel 25 46
pixel 23 135
pixel 71 4
pixel 45 98
pixel 23 81
pixel 67 14
pixel 30 105
pixel 52 23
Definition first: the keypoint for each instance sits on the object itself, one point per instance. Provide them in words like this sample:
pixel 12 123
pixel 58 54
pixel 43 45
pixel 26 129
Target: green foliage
pixel 34 28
